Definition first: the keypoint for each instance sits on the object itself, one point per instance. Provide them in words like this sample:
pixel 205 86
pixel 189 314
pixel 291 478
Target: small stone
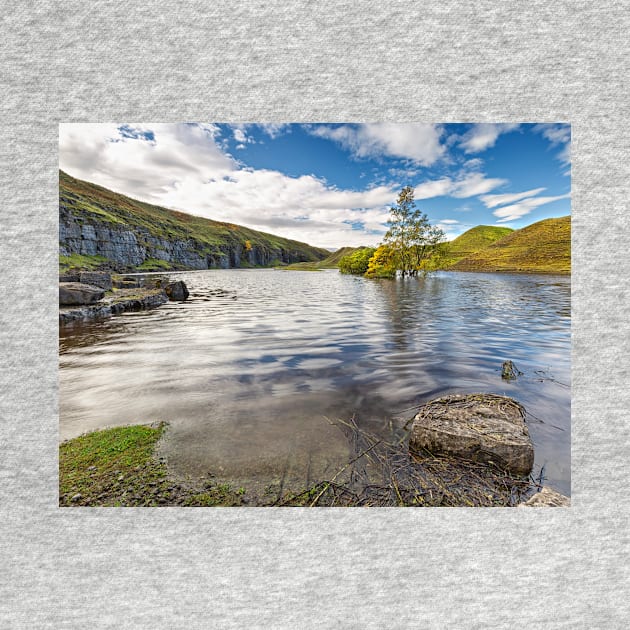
pixel 121 477
pixel 91 467
pixel 547 498
pixel 77 497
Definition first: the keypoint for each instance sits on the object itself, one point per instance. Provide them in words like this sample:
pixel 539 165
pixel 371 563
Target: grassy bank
pixel 330 262
pixel 119 467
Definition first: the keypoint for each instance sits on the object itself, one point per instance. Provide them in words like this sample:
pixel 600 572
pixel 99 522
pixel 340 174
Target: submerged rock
pixel 479 427
pixel 177 291
pixel 509 371
pixel 547 498
pixel 77 293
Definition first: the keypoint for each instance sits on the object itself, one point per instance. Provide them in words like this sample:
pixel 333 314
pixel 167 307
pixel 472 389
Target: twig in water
pixel 328 483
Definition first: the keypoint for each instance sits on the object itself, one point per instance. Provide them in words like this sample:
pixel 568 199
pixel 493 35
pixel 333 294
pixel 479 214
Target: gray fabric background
pixel 325 61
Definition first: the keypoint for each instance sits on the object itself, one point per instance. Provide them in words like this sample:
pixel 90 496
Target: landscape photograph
pixel 315 314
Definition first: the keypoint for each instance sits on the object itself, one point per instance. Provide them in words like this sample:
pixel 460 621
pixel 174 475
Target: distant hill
pixel 99 228
pixel 541 247
pixel 330 262
pixel 472 241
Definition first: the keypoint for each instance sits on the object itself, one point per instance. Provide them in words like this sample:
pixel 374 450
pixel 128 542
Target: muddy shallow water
pixel 250 371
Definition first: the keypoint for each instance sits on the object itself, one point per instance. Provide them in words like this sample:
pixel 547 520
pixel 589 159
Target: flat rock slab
pixel 77 293
pixel 547 497
pixel 100 279
pixel 124 300
pixel 479 427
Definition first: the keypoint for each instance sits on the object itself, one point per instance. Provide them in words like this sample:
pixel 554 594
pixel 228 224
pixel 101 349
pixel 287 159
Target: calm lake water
pixel 250 371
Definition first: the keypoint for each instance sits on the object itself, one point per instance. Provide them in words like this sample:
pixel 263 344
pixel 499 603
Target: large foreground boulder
pixel 177 291
pixel 479 427
pixel 547 497
pixel 77 293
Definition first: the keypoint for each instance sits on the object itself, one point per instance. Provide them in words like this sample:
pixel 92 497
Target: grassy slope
pixel 472 241
pixel 91 202
pixel 330 262
pixel 541 247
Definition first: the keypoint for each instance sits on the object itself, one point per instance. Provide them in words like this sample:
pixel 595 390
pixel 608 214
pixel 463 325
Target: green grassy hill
pixel 543 247
pixel 472 241
pixel 330 262
pixel 100 228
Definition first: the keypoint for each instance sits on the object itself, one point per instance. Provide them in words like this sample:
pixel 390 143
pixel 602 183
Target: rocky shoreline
pixel 85 296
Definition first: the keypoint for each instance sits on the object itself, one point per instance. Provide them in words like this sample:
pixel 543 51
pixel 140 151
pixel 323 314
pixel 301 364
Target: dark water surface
pixel 252 367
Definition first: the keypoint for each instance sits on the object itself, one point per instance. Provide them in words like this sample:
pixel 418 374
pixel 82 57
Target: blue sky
pixel 331 184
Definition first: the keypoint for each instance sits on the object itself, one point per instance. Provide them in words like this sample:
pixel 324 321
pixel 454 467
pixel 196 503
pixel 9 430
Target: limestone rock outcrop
pixel 127 246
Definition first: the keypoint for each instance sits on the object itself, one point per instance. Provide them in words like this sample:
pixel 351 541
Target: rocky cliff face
pixel 129 246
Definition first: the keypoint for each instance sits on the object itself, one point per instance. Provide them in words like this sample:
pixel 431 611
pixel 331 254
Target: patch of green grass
pixel 101 215
pixel 301 267
pixel 119 467
pixel 154 264
pixel 82 262
pixel 330 262
pixel 110 467
pixel 219 496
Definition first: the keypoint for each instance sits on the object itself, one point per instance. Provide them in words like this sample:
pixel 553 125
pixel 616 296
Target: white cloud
pixel 520 209
pixel 492 201
pixel 482 136
pixel 273 130
pixel 418 142
pixel 473 164
pixel 436 188
pixel 403 173
pixel 449 221
pixel 240 136
pixel 475 184
pixel 466 186
pixel 184 168
pixel 565 154
pixel 139 167
pixel 558 134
